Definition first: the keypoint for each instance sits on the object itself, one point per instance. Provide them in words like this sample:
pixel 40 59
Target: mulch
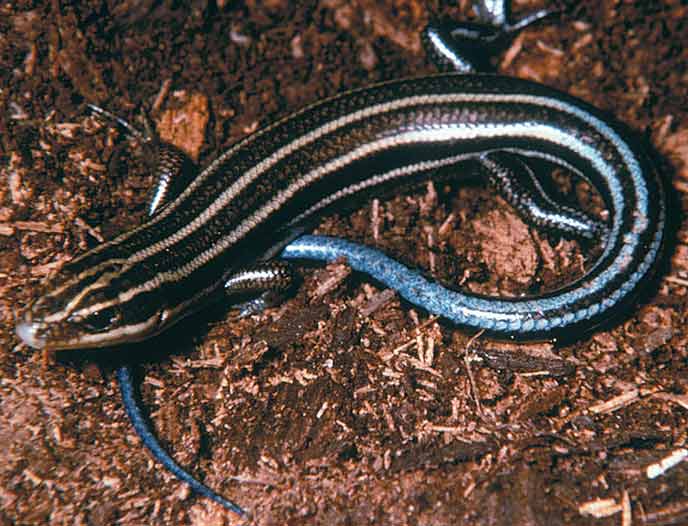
pixel 344 405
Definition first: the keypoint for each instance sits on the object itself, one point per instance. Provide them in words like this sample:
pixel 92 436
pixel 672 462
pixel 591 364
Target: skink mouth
pixel 70 334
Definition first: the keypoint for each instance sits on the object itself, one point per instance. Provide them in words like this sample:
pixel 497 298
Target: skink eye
pixel 98 321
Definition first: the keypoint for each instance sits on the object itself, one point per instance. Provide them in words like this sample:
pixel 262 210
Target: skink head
pixel 96 306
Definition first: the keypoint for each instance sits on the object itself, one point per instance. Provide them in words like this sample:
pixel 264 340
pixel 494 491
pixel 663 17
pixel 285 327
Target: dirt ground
pixel 344 406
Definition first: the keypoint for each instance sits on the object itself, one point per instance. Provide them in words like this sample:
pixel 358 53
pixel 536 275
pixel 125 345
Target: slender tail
pixel 131 405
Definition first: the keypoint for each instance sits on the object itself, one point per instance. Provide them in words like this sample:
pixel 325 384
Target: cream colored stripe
pixel 120 334
pixel 456 132
pixel 251 175
pixel 280 154
pixel 445 133
pixel 372 181
pixel 223 199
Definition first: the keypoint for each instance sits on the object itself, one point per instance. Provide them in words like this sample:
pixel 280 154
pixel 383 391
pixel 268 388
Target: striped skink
pixel 219 234
pixel 257 194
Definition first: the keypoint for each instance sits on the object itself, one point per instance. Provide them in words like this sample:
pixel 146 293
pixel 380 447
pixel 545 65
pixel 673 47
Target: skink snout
pixel 33 327
pixel 32 332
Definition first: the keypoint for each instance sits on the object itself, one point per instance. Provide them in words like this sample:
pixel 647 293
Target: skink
pixel 256 195
pixel 219 234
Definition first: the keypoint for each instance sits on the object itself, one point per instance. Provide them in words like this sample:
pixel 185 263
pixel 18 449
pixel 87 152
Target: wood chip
pixel 660 468
pixel 616 403
pixel 378 301
pixel 328 280
pixel 600 508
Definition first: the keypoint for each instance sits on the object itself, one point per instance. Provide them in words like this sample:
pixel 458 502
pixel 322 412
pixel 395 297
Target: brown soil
pixel 344 405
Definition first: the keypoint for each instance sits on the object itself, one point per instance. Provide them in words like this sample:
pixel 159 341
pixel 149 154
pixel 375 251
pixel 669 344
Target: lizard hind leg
pixel 466 47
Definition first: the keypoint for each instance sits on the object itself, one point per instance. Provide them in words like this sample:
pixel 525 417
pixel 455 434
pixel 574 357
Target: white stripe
pixel 349 190
pixel 102 282
pixel 379 179
pixel 254 173
pixel 124 333
pixel 455 132
pixel 459 132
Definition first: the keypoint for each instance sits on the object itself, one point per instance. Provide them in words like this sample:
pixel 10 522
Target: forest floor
pixel 345 405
